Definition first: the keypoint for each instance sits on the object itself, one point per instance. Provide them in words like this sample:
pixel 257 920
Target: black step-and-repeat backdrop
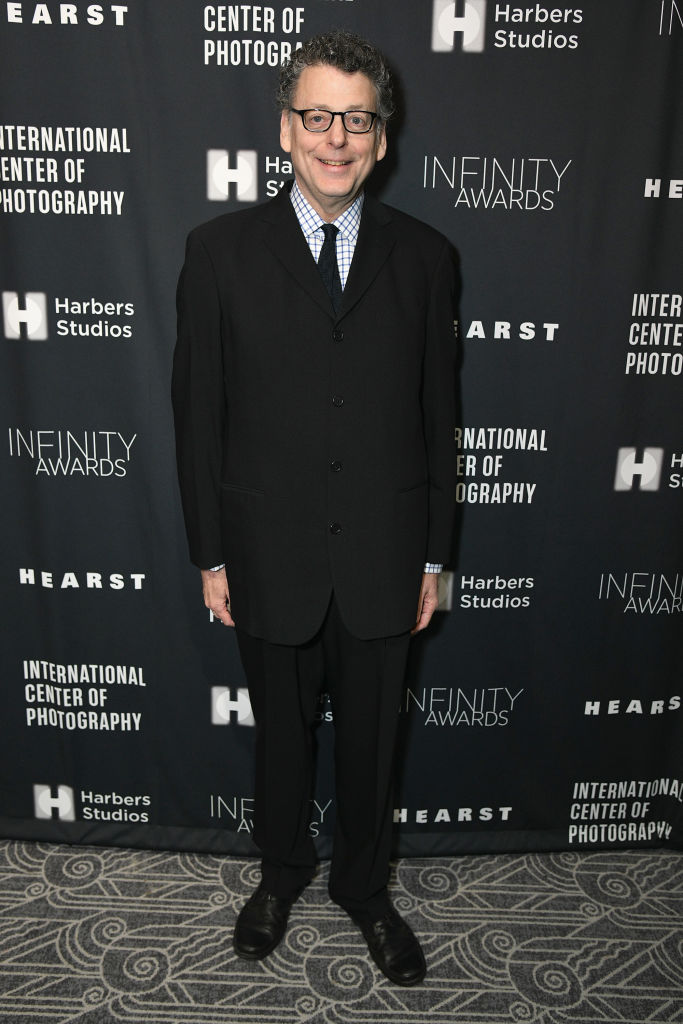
pixel 543 710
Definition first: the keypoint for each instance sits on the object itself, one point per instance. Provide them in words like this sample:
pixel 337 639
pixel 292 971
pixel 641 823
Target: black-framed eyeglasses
pixel 358 122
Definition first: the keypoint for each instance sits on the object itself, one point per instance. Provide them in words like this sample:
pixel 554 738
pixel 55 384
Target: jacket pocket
pixel 413 487
pixel 242 489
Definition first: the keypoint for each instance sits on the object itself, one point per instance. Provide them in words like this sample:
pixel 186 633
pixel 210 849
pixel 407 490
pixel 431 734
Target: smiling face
pixel 331 167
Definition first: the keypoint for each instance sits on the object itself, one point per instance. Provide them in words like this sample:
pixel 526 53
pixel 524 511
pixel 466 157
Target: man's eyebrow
pixel 326 106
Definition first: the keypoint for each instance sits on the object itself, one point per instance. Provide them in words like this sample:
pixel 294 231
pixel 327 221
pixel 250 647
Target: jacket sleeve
pixel 439 404
pixel 199 402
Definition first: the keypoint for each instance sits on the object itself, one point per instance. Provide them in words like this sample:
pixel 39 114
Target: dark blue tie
pixel 327 265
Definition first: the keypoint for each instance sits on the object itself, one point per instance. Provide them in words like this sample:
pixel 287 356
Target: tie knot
pixel 330 231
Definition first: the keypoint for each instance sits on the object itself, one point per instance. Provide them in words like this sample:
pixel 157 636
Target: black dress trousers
pixel 364 679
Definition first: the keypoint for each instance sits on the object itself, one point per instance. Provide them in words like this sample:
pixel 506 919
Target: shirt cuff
pixel 433 567
pixel 217 568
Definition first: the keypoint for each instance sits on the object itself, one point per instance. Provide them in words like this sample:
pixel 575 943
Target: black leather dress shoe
pixel 260 925
pixel 393 947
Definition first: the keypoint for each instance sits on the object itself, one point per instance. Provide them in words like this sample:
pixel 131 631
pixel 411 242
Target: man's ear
pixel 381 144
pixel 286 130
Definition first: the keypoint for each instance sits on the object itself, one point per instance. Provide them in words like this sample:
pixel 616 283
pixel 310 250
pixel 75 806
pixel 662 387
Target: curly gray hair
pixel 345 51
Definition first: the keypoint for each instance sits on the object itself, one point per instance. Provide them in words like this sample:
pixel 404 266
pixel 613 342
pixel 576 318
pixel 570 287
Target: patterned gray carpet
pixel 97 936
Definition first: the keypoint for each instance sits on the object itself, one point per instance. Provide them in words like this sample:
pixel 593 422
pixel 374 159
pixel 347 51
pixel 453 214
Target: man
pixel 314 417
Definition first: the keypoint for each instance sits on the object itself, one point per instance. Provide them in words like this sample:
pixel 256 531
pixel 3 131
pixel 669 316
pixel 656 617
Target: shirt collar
pixel 348 222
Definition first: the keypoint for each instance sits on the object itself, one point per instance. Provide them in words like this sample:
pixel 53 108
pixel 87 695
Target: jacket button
pixel 335 466
pixel 335 528
pixel 337 400
pixel 337 334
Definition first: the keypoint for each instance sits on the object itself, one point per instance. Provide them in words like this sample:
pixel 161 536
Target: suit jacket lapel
pixel 375 242
pixel 285 239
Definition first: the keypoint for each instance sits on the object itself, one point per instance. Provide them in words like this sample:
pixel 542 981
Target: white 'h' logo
pixel 33 314
pixel 445 24
pixel 222 705
pixel 44 801
pixel 649 470
pixel 219 174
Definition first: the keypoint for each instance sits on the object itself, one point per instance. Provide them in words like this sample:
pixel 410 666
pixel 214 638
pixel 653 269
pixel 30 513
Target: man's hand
pixel 217 595
pixel 429 599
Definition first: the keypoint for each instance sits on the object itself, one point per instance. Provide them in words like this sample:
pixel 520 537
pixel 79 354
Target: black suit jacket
pixel 316 451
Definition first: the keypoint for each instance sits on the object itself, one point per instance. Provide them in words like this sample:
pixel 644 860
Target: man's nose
pixel 336 132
